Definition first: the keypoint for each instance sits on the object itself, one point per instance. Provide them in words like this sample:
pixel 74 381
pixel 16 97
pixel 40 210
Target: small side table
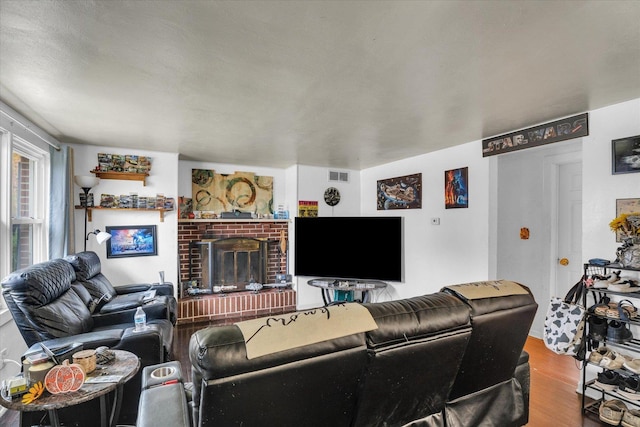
pixel 124 367
pixel 344 290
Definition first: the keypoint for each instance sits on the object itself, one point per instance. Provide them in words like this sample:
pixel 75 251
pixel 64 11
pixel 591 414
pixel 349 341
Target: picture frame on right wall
pixel 456 188
pixel 625 155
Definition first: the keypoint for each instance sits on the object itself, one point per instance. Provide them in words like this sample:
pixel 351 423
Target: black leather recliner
pixel 448 359
pixel 112 301
pixel 46 307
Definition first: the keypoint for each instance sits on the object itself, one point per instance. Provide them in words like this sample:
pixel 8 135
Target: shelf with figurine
pixel 130 202
pixel 127 167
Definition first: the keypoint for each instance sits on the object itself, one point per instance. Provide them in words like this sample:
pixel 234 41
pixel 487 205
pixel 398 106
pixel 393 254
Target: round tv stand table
pixel 343 290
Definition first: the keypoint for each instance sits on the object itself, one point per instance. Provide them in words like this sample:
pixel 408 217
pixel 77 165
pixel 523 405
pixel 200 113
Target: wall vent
pixel 338 176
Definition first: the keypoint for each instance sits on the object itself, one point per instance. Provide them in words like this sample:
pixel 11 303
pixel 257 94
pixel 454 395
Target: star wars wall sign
pixel 560 130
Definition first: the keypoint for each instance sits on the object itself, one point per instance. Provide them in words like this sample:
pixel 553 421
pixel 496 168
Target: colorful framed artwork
pixel 131 241
pixel 625 155
pixel 456 188
pixel 403 192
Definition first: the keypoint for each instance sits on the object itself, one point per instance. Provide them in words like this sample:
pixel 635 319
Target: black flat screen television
pixel 366 248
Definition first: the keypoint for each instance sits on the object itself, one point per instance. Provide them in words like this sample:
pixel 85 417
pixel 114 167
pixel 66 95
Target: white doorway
pixel 539 190
pixel 567 262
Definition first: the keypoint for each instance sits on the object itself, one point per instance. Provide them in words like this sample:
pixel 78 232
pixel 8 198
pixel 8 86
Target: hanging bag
pixel 565 323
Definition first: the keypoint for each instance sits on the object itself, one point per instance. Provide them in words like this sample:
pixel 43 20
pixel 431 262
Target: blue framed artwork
pixel 132 241
pixel 456 188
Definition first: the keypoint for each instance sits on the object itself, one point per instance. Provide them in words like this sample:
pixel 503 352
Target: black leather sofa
pixel 49 306
pixel 445 359
pixel 122 300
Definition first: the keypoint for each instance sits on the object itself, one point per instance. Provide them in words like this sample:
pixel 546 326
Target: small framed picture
pixel 625 155
pixel 456 188
pixel 132 241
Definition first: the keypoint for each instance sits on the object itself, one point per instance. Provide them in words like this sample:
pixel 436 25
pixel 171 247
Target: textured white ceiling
pixel 349 84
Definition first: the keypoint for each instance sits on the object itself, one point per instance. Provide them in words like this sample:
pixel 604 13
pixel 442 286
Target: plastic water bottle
pixel 140 319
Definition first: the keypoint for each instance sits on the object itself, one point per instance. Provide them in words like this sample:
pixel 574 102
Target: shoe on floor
pixel 611 411
pixel 631 418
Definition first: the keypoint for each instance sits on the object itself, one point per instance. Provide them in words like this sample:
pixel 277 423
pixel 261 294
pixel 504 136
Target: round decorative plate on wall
pixel 331 196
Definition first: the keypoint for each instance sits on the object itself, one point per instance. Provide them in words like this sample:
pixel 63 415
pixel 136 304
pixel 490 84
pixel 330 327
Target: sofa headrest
pixel 86 264
pixel 416 318
pixel 40 284
pixel 492 296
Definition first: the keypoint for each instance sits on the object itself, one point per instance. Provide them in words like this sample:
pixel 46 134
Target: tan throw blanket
pixel 268 335
pixel 488 289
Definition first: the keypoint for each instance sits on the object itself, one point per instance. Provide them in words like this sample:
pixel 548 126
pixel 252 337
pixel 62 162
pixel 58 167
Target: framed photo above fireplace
pixel 131 241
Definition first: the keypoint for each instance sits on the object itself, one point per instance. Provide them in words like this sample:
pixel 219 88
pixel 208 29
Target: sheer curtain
pixel 61 209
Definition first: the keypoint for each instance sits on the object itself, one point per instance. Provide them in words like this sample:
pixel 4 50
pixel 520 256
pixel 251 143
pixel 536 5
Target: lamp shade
pixel 102 237
pixel 86 181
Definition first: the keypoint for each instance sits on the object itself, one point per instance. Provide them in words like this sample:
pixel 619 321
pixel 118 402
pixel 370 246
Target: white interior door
pixel 569 262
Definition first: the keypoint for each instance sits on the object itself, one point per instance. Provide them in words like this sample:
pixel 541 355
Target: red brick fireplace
pixel 203 308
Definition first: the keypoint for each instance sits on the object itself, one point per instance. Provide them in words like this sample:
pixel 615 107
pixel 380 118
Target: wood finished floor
pixel 554 401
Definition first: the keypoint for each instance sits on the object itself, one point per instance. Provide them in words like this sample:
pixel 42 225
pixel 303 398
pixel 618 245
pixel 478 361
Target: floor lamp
pixel 87 183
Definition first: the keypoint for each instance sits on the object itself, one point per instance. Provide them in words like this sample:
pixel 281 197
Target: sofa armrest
pixel 163 400
pixel 164 405
pixel 134 287
pixel 158 308
pixel 165 288
pixel 148 345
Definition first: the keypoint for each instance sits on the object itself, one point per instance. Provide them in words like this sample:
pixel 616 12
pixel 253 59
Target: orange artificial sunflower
pixel 34 392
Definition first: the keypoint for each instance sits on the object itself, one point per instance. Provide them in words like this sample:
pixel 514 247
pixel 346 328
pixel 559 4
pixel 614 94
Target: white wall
pixel 455 251
pixel 161 179
pixel 312 181
pixel 601 188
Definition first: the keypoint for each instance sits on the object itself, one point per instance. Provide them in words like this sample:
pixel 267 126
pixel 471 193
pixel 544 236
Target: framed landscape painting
pixel 132 241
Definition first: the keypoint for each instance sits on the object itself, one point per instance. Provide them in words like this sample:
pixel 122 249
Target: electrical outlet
pixel 435 221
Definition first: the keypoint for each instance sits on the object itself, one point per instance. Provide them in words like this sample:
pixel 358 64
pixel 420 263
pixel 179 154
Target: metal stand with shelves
pixel 633 345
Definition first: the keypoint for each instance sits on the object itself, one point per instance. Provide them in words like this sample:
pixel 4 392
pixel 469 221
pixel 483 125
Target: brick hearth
pixel 235 305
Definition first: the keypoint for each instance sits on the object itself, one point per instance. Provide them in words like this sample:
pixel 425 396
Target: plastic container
pixel 140 319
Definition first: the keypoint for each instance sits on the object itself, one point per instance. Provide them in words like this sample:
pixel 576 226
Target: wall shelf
pixel 126 176
pixel 99 208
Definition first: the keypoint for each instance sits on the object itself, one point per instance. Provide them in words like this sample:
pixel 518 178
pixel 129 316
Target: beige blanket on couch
pixel 271 334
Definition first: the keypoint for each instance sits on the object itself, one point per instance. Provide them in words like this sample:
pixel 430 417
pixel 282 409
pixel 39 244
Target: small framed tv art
pixel 625 155
pixel 132 241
